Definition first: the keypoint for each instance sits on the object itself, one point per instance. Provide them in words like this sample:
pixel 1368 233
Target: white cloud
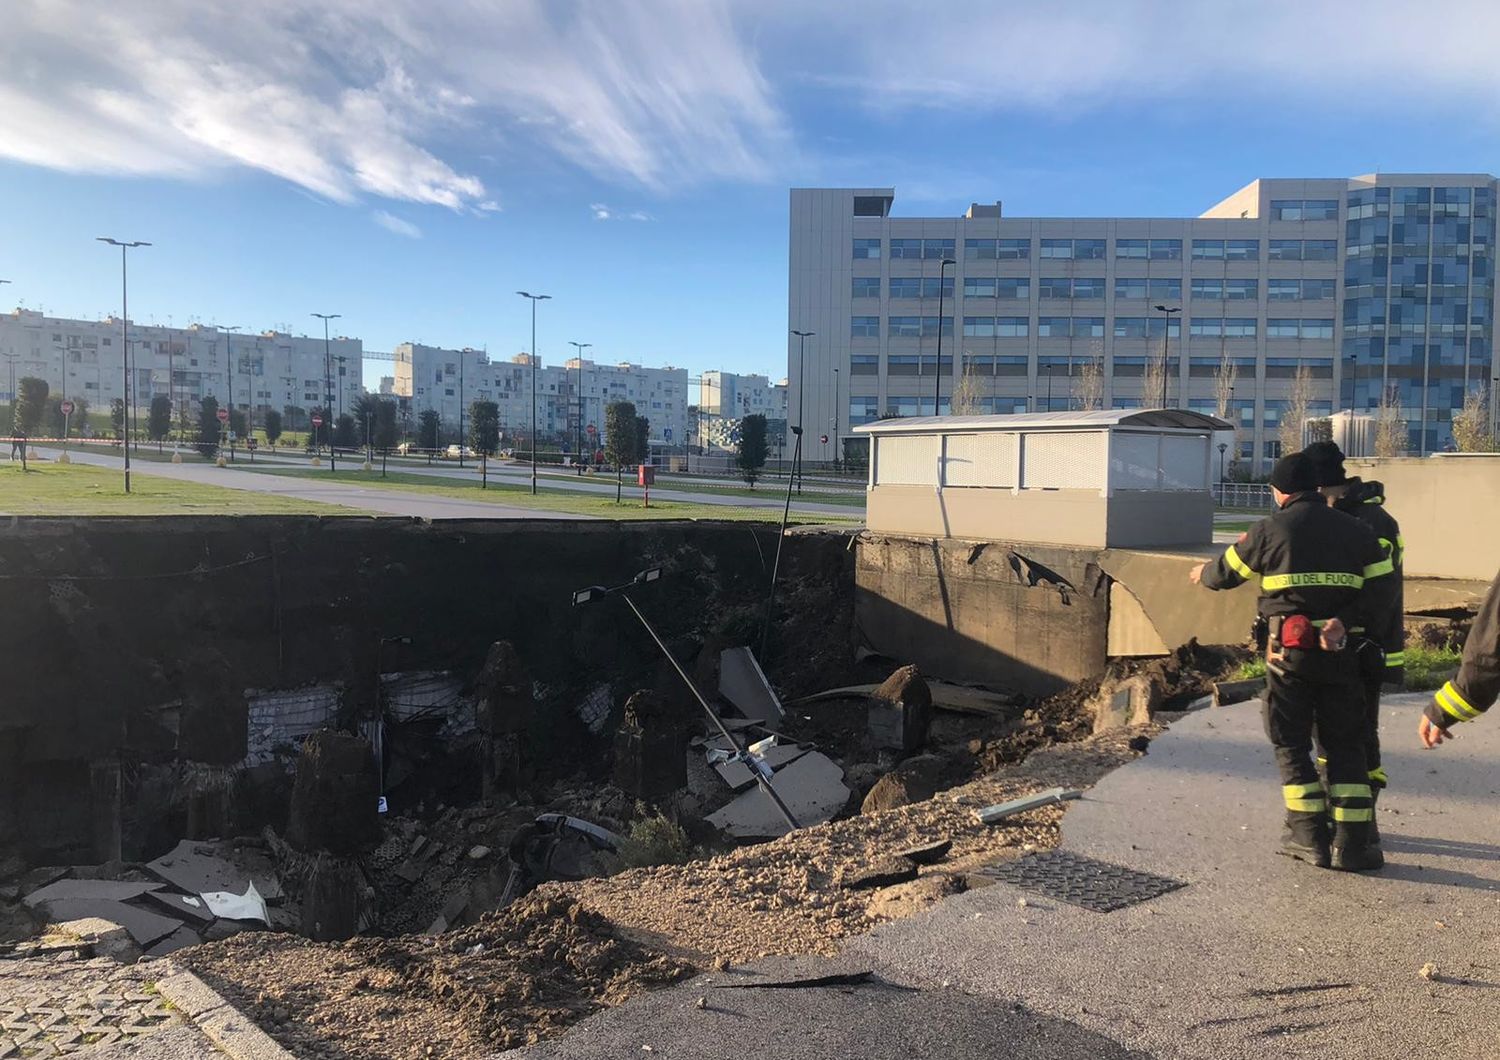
pixel 602 212
pixel 392 223
pixel 350 99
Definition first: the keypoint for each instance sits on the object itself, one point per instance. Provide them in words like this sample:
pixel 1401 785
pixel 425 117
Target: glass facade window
pixel 1130 366
pixel 866 287
pixel 865 249
pixel 1012 366
pixel 1088 249
pixel 864 364
pixel 1304 209
pixel 1212 289
pixel 937 248
pixel 1013 249
pixel 1088 287
pixel 1317 329
pixel 863 409
pixel 1054 287
pixel 1320 249
pixel 1225 327
pixel 1242 250
pixel 1233 289
pixel 1283 328
pixel 864 327
pixel 1166 250
pixel 903 328
pixel 979 327
pixel 1208 250
pixel 903 364
pixel 1057 248
pixel 1154 288
pixel 980 249
pixel 1012 327
pixel 1132 248
pixel 979 286
pixel 1054 327
pixel 1145 327
pixel 906 248
pixel 997 287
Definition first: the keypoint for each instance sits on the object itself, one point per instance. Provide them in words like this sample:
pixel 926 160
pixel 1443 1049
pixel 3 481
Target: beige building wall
pixel 1448 508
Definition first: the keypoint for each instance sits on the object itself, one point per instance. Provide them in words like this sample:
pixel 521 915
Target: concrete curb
pixel 228 1028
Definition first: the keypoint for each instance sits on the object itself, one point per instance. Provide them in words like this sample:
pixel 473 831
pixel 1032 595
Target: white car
pixel 455 451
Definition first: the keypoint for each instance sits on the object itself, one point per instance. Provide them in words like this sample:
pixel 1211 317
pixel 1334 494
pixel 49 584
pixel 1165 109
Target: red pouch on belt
pixel 1297 631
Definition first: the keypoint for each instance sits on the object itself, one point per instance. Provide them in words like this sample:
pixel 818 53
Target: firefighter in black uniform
pixel 1477 685
pixel 1381 649
pixel 1321 574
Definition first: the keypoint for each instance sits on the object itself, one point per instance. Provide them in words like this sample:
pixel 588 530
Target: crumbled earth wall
pixel 134 640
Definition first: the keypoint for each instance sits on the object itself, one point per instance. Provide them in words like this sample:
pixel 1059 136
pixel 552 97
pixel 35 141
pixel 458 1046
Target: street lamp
pixel 802 337
pixel 461 408
pixel 937 372
pixel 580 347
pixel 835 419
pixel 229 330
pixel 535 361
pixel 1166 333
pixel 333 460
pixel 124 341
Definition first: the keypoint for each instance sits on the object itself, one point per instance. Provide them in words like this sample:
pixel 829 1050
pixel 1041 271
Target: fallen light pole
pixel 757 766
pixel 765 626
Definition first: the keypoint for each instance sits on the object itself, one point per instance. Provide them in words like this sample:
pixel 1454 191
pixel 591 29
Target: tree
pixel 1471 424
pixel 754 449
pixel 31 406
pixel 209 428
pixel 966 400
pixel 621 436
pixel 1319 430
pixel 484 426
pixel 1088 384
pixel 117 416
pixel 237 423
pixel 1153 381
pixel 345 436
pixel 159 423
pixel 387 431
pixel 428 423
pixel 1294 419
pixel 642 440
pixel 1390 428
pixel 273 426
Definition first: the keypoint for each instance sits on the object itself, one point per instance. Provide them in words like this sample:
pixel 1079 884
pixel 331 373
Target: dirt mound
pixel 512 979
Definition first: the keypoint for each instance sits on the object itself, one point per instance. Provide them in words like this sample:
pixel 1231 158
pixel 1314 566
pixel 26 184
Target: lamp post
pixel 460 408
pixel 580 347
pixel 535 361
pixel 124 341
pixel 802 337
pixel 1166 334
pixel 937 372
pixel 229 330
pixel 333 460
pixel 835 419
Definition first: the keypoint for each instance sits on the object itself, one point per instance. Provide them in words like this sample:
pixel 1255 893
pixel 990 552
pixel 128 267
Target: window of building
pixel 906 248
pixel 1013 249
pixel 1088 327
pixel 1317 329
pixel 1241 290
pixel 1284 290
pixel 992 249
pixel 1011 366
pixel 1320 249
pixel 1057 248
pixel 1130 366
pixel 1132 287
pixel 937 248
pixel 1317 290
pixel 930 327
pixel 866 287
pixel 1054 287
pixel 1054 327
pixel 1242 250
pixel 1285 250
pixel 979 327
pixel 930 286
pixel 906 286
pixel 1166 250
pixel 903 364
pixel 1012 287
pixel 866 249
pixel 979 286
pixel 1283 328
pixel 1089 249
pixel 1132 248
pixel 1088 287
pixel 1012 327
pixel 1210 289
pixel 864 327
pixel 1130 328
pixel 1304 209
pixel 1208 250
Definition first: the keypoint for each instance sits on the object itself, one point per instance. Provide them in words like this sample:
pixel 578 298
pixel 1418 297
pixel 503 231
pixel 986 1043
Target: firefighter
pixel 1321 573
pixel 1380 648
pixel 1477 685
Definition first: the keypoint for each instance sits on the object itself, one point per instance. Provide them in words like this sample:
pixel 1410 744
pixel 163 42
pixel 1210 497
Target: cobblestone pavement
pixel 55 1007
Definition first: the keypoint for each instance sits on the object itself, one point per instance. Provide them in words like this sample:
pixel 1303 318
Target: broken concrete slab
pixel 743 683
pixel 183 906
pixel 1227 693
pixel 196 867
pixel 106 938
pixel 812 787
pixel 1000 811
pixel 108 890
pixel 144 926
pixel 1127 701
pixel 180 939
pixel 738 775
pixel 883 873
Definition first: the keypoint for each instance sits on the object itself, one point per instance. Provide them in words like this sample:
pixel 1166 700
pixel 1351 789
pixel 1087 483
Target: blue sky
pixel 412 166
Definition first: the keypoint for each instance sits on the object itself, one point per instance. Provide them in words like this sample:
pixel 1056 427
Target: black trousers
pixel 1320 692
pixel 1371 671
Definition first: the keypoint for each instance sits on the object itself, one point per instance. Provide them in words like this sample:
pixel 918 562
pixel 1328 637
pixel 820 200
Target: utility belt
pixel 1292 644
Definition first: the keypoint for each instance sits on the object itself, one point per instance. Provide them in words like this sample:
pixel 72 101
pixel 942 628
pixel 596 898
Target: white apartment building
pixel 1374 286
pixel 447 380
pixel 725 398
pixel 81 359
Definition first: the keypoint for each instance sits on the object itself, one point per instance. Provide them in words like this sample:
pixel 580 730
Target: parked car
pixel 455 451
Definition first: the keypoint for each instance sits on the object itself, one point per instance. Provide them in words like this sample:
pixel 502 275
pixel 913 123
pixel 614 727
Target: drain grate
pixel 1072 878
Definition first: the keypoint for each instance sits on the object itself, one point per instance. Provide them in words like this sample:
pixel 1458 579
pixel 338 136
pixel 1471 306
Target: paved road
pixel 1258 955
pixel 365 498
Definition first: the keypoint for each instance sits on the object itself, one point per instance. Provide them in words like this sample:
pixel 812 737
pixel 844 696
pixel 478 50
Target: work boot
pixel 1306 838
pixel 1351 850
pixel 1373 843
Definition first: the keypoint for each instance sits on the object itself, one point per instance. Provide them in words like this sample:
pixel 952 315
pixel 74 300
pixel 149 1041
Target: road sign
pixel 666 433
pixel 67 408
pixel 592 429
pixel 823 438
pixel 223 415
pixel 317 421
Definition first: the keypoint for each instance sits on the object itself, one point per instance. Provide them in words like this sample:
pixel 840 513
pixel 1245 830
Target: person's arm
pixel 1477 685
pixel 1238 564
pixel 1377 593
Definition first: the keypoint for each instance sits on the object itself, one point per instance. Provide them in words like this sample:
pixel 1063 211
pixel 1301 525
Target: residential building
pixel 1365 287
pixel 725 398
pixel 81 359
pixel 446 380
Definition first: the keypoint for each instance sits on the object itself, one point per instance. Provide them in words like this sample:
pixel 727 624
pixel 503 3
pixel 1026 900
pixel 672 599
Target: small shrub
pixel 654 840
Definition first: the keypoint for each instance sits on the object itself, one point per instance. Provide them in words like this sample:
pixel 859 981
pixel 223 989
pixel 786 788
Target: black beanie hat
pixel 1294 474
pixel 1328 463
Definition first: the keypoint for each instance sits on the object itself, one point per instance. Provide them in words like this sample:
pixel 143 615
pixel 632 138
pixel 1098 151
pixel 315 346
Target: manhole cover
pixel 1078 880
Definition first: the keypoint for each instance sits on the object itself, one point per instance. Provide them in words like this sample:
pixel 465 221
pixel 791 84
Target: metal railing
pixel 1255 496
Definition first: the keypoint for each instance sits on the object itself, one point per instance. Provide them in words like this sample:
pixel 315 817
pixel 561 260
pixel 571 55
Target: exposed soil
pixel 514 978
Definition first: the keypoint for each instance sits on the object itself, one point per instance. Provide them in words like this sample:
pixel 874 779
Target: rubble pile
pixel 510 980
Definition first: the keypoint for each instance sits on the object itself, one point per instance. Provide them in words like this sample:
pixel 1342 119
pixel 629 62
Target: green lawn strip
pixel 550 498
pixel 690 484
pixel 79 489
pixel 1232 528
pixel 1426 668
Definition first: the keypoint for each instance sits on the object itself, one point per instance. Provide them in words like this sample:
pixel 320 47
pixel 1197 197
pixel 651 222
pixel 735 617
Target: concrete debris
pixel 915 780
pixel 231 906
pixel 107 890
pixel 743 683
pixel 1000 811
pixel 739 776
pixel 180 939
pixel 812 787
pixel 1227 693
pixel 479 853
pixel 1125 701
pixel 335 796
pixel 145 927
pixel 883 873
pixel 900 711
pixel 595 708
pixel 195 867
pixel 182 906
pixel 104 937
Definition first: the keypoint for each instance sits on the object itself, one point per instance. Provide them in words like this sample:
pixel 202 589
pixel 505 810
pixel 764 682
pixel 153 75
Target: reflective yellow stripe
pixel 1238 565
pixel 1374 500
pixel 1335 579
pixel 1375 570
pixel 1454 704
pixel 1395 658
pixel 1349 791
pixel 1306 805
pixel 1304 798
pixel 1352 814
pixel 1377 776
pixel 1297 791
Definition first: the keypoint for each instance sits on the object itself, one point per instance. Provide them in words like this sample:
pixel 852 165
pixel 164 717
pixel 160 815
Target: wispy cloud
pixel 603 212
pixel 391 223
pixel 349 99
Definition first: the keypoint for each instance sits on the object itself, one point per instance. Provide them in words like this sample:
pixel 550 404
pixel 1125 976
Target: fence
pixel 1253 495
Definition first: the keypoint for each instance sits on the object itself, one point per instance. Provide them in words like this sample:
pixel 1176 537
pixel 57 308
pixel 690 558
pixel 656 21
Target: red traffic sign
pixel 67 408
pixel 823 438
pixel 223 415
pixel 317 421
pixel 592 429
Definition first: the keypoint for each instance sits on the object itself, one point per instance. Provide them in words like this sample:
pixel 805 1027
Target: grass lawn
pixel 553 499
pixel 1233 528
pixel 1426 668
pixel 75 489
